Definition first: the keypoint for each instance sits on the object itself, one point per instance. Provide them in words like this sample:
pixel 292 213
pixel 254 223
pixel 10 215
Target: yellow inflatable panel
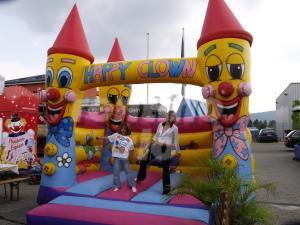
pixel 194 157
pixel 93 167
pixel 80 154
pixel 249 136
pixel 81 134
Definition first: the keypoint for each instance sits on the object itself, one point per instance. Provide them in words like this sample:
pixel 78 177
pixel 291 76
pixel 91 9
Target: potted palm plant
pixel 242 204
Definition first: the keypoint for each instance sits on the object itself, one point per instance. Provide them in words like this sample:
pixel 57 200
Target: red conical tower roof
pixel 71 38
pixel 220 22
pixel 116 53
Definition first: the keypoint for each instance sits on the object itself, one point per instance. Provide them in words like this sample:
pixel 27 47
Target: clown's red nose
pixel 53 95
pixel 225 89
pixel 118 109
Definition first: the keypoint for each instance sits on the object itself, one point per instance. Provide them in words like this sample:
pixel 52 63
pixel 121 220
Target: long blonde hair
pixel 168 114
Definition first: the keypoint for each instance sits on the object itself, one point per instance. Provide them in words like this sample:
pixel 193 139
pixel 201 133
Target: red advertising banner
pixel 20 114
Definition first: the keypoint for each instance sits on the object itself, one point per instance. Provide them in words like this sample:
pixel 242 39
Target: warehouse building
pixel 287 109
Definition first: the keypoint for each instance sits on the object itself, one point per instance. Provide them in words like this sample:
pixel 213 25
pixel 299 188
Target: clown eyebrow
pixel 209 49
pixel 236 46
pixel 72 61
pixel 49 60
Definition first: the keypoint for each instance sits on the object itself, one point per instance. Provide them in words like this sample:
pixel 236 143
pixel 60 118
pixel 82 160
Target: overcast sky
pixel 29 28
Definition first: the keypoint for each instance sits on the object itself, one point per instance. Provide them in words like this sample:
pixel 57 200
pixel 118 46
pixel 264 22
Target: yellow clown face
pixel 224 66
pixel 63 78
pixel 114 100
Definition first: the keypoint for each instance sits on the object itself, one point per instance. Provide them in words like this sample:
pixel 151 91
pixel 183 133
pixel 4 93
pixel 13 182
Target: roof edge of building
pixel 26 80
pixel 290 84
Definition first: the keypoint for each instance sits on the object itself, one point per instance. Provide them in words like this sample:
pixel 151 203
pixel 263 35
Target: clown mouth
pixel 228 111
pixel 115 122
pixel 54 113
pixel 16 130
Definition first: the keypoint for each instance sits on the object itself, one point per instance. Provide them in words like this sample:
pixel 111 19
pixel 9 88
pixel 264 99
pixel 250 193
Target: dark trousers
pixel 164 163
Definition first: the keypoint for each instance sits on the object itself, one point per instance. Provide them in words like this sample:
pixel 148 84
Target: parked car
pixel 267 135
pixel 292 138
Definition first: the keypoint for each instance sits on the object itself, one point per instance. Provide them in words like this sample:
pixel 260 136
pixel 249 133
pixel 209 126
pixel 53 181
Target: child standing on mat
pixel 122 145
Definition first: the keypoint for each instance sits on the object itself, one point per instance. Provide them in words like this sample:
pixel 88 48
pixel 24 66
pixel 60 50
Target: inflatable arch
pixel 221 68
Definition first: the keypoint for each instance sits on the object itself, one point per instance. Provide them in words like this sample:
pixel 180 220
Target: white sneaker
pixel 133 189
pixel 116 189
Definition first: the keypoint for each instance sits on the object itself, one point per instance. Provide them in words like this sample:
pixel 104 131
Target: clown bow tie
pixel 62 131
pixel 231 137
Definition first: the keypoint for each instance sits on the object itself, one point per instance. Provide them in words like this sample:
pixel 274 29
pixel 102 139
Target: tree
pixel 264 124
pixel 296 119
pixel 296 103
pixel 250 123
pixel 272 124
pixel 256 123
pixel 296 115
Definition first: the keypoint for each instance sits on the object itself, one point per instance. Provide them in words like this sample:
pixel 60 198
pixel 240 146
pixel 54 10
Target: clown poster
pixel 19 134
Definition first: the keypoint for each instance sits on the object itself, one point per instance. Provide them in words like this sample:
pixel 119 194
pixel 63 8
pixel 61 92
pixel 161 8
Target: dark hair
pixel 168 114
pixel 127 129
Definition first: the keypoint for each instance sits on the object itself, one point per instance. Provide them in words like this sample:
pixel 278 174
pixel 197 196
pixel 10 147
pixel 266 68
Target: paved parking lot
pixel 274 163
pixel 15 210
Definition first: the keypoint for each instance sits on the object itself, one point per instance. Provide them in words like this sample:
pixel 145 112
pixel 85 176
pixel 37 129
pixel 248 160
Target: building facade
pixel 285 103
pixel 147 110
pixel 33 83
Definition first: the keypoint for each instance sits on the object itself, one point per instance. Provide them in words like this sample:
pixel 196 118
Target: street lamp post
pixel 158 98
pixel 147 59
pixel 172 98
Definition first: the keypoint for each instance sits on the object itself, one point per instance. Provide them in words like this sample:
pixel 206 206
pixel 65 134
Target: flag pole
pixel 182 56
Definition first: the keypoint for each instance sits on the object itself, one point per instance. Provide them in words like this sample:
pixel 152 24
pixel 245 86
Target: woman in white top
pixel 165 139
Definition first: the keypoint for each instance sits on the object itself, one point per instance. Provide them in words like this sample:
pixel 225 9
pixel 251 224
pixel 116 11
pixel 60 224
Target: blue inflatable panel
pixel 154 193
pixel 95 186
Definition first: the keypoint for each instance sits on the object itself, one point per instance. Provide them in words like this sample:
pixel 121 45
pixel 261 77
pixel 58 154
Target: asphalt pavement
pixel 275 164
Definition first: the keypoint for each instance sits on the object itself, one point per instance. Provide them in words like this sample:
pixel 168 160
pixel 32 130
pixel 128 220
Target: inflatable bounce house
pixel 76 185
pixel 19 114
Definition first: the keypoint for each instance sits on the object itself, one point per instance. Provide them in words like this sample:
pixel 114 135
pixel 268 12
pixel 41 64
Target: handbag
pixel 160 152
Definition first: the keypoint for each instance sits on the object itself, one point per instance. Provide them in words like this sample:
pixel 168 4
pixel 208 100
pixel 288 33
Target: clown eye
pixel 125 96
pixel 236 70
pixel 113 95
pixel 49 76
pixel 112 98
pixel 214 72
pixel 124 100
pixel 235 66
pixel 64 78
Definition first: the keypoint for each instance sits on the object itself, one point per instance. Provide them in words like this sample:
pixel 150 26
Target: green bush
pixel 243 207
